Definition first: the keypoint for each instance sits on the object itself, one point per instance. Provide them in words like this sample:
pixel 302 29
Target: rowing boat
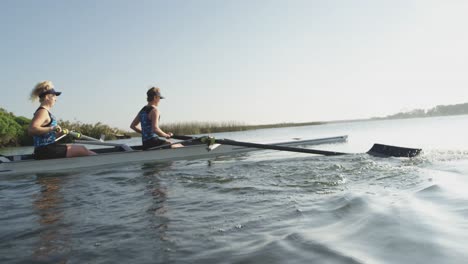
pixel 121 153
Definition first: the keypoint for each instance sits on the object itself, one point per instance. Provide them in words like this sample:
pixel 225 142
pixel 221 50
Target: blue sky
pixel 250 61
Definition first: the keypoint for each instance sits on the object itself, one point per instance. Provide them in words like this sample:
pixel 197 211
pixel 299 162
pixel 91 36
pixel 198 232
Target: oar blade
pixel 382 150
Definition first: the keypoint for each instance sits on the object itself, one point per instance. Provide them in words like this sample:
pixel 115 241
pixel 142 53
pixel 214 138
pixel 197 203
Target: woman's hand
pixel 169 135
pixel 56 129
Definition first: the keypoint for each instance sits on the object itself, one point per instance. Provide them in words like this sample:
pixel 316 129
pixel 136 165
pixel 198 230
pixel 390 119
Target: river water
pixel 260 207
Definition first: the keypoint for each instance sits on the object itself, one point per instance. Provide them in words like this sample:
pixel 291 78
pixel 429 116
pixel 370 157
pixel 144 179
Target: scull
pixel 115 153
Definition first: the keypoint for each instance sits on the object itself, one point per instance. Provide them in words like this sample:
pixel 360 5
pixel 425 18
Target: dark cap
pixel 51 91
pixel 153 92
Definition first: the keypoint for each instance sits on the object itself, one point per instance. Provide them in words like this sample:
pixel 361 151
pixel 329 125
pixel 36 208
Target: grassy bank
pixel 193 128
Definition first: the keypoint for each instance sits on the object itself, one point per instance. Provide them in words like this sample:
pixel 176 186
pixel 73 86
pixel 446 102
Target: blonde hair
pixel 40 88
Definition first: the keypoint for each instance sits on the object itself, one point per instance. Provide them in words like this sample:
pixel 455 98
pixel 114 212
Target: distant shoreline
pixel 16 134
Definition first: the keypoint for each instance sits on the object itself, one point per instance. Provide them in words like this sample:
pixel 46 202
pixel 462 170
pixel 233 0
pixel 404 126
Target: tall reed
pixel 194 128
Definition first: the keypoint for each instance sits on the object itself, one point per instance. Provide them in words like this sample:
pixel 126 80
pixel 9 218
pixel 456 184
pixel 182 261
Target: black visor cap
pixel 51 91
pixel 152 93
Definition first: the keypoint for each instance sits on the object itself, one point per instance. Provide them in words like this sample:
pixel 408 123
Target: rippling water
pixel 261 207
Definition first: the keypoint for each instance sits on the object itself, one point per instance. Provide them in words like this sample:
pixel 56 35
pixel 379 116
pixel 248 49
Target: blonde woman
pixel 149 117
pixel 44 127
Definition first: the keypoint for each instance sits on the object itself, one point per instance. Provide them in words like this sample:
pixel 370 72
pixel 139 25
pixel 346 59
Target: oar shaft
pixel 191 139
pixel 81 136
pixel 59 138
pixel 267 146
pixel 280 148
pixel 181 137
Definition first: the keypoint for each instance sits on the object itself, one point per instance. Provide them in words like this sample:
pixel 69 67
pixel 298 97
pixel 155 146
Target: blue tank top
pixel 147 132
pixel 48 138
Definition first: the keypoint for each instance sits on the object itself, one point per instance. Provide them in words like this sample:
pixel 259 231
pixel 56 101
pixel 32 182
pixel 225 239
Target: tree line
pixel 440 110
pixel 13 129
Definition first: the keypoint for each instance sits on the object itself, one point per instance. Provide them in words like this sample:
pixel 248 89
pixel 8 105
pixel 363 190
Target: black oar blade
pixel 382 150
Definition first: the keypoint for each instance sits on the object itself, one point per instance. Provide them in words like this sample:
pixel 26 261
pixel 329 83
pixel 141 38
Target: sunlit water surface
pixel 261 207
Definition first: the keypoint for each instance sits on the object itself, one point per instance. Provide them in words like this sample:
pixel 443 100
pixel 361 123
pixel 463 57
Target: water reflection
pixel 54 237
pixel 159 193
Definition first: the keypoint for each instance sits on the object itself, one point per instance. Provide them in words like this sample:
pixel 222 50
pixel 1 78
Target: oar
pixel 191 139
pixel 376 150
pixel 94 141
pixel 59 138
pixel 78 135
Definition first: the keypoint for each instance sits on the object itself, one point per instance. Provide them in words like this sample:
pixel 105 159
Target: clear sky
pixel 251 61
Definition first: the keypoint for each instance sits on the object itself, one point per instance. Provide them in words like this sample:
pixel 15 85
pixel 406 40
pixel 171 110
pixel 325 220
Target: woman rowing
pixel 44 127
pixel 149 117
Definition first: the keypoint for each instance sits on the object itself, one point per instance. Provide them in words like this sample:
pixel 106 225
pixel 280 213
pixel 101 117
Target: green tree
pixel 10 130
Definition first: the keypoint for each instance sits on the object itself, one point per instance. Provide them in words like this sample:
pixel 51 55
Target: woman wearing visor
pixel 45 130
pixel 149 117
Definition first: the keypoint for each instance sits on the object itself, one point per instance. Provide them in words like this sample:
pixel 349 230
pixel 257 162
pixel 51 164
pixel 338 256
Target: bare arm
pixel 135 123
pixel 154 116
pixel 36 127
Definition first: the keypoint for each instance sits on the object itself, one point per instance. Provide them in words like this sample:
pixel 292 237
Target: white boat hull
pixel 185 153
